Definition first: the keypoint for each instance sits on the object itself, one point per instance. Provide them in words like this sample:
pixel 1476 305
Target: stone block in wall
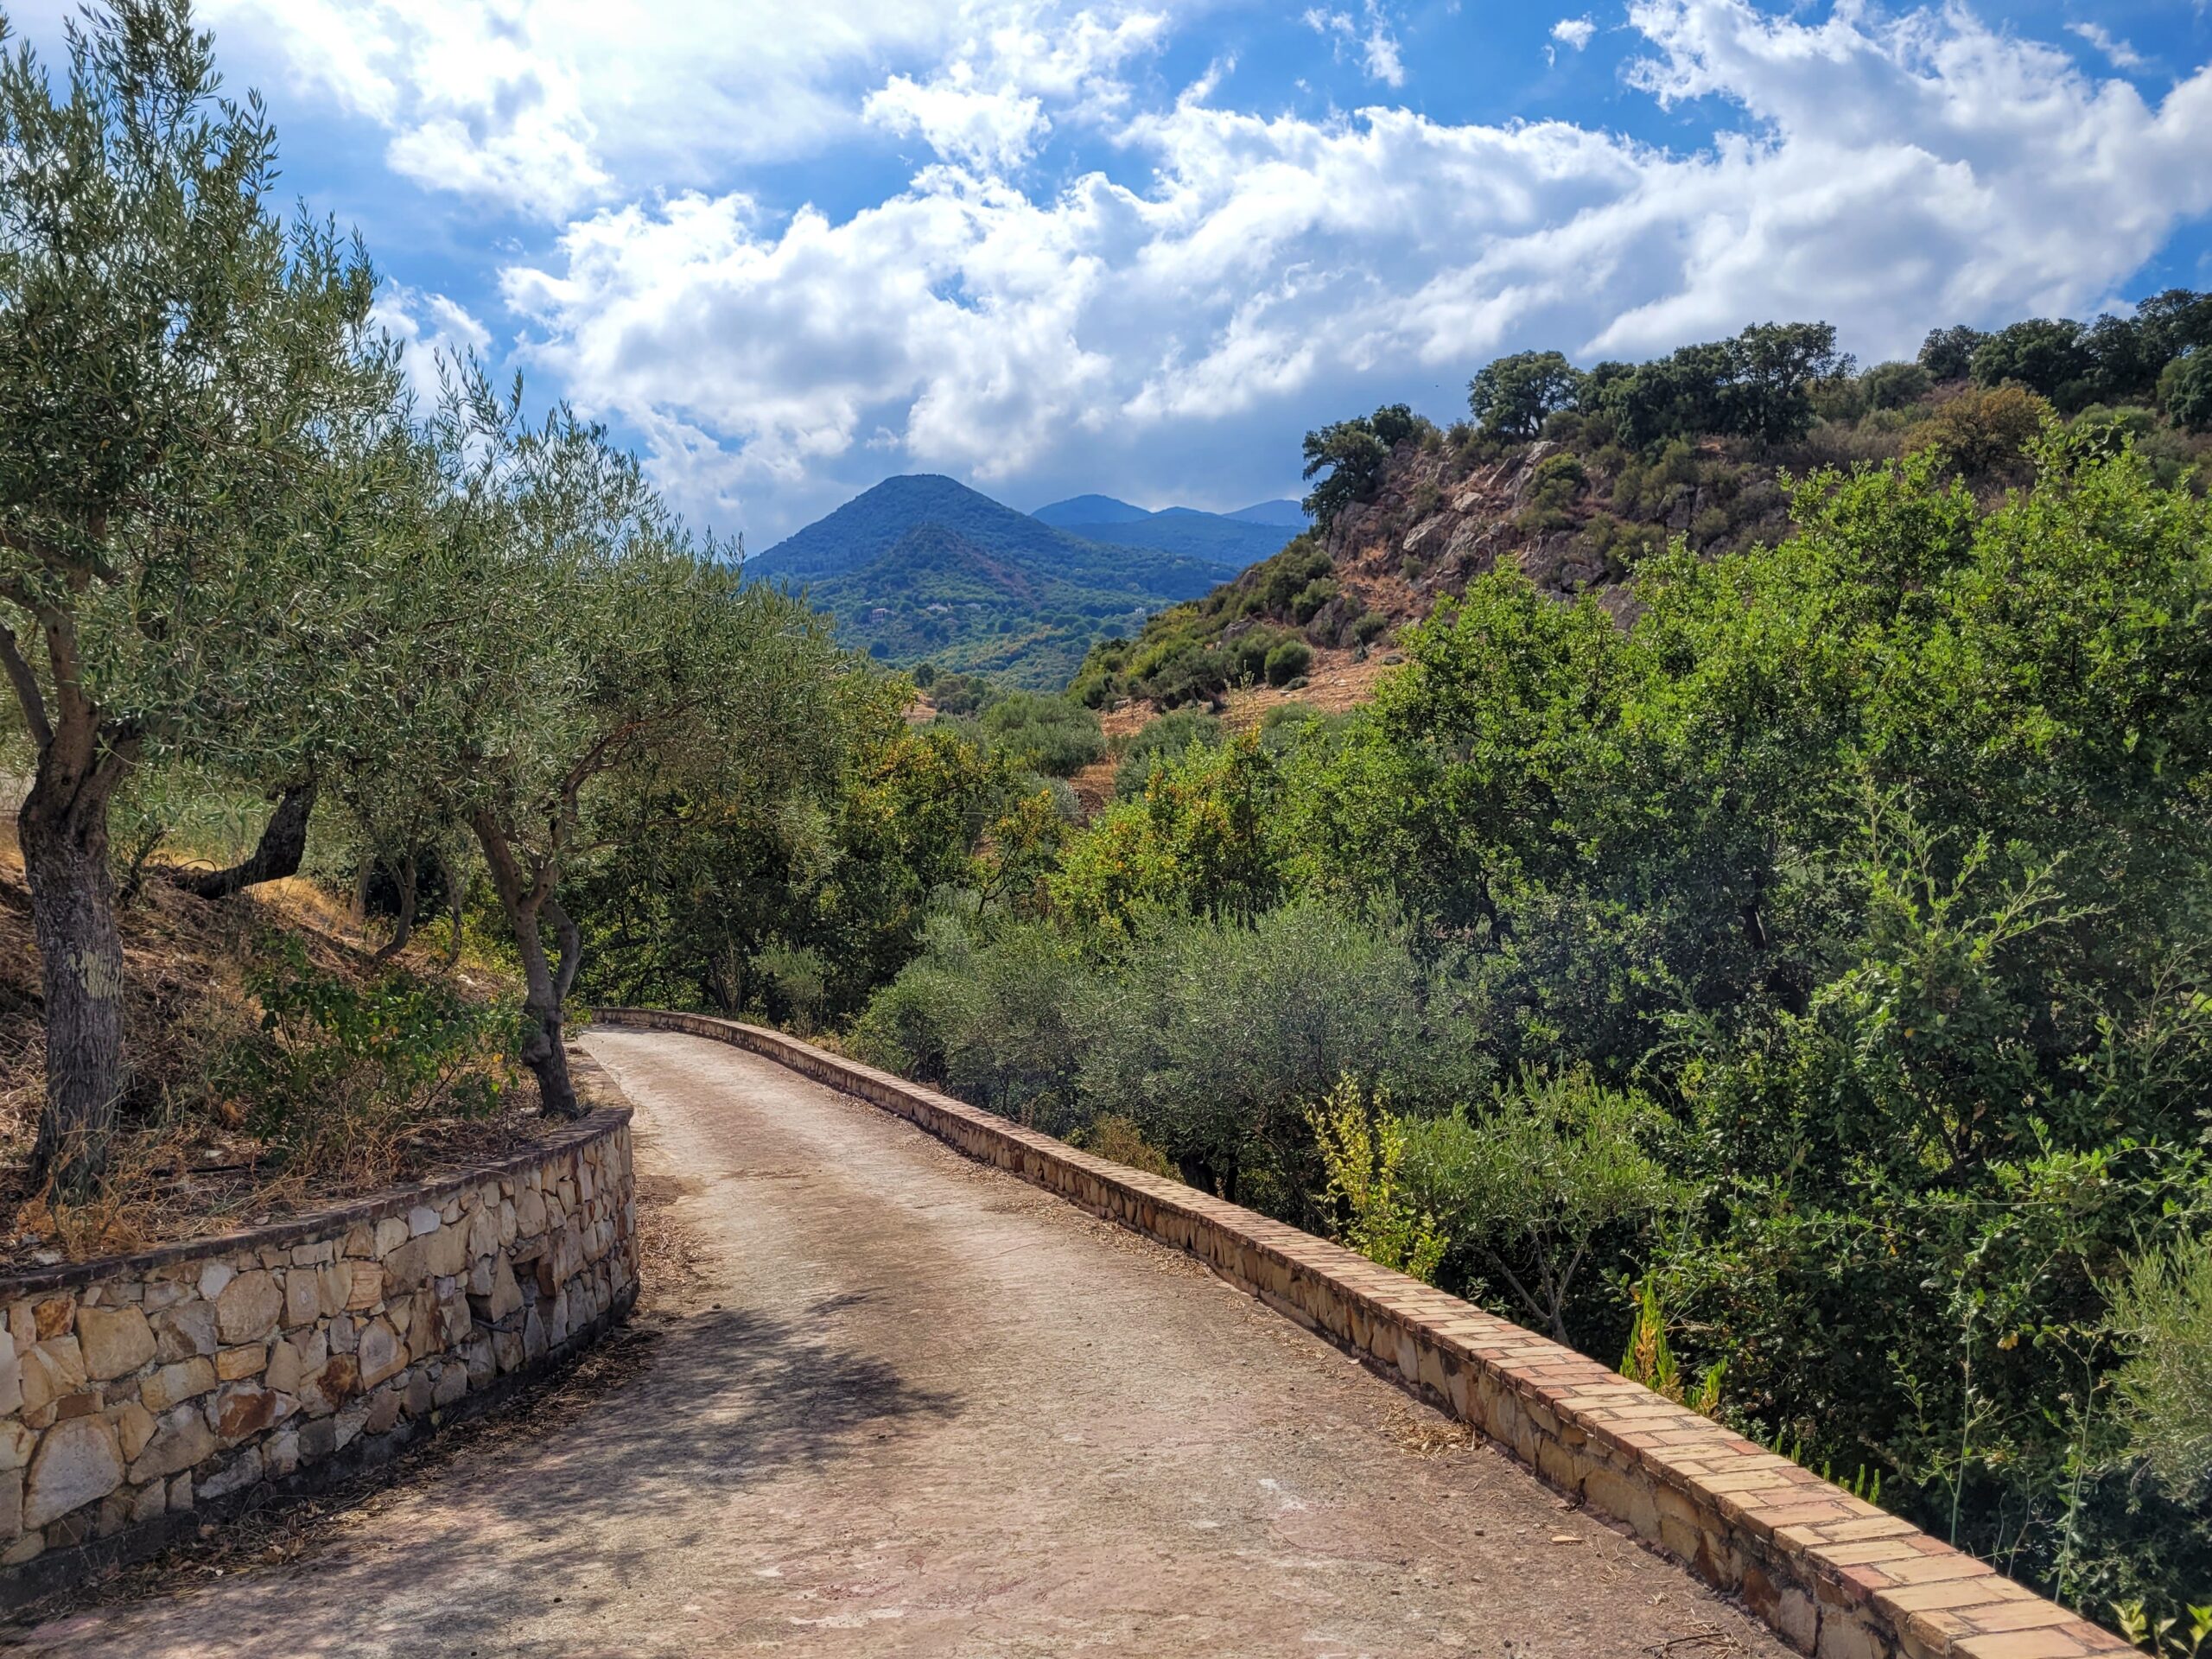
pixel 183 1330
pixel 381 1352
pixel 51 1369
pixel 181 1439
pixel 171 1384
pixel 79 1461
pixel 114 1341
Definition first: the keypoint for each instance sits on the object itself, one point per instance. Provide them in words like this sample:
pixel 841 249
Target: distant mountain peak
pixel 1089 509
pixel 1287 514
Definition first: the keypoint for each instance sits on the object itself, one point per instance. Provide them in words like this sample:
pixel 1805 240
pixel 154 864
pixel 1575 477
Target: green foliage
pixel 1755 385
pixel 338 1072
pixel 1202 841
pixel 1287 661
pixel 1534 1184
pixel 1350 457
pixel 1159 742
pixel 2163 1310
pixel 1361 1147
pixel 2185 391
pixel 1894 386
pixel 2164 1637
pixel 1513 396
pixel 1947 354
pixel 1054 736
pixel 1649 1358
pixel 2046 355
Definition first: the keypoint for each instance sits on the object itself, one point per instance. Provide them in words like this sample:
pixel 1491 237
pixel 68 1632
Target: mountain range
pixel 921 568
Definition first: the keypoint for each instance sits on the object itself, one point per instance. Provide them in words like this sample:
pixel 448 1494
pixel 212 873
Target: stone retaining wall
pixel 142 1397
pixel 1836 1577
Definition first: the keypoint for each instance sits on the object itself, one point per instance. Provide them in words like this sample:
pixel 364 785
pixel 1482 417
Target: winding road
pixel 902 1404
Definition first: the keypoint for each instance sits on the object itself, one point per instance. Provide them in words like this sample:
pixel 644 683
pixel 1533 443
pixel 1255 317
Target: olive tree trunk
pixel 403 929
pixel 283 844
pixel 529 904
pixel 63 829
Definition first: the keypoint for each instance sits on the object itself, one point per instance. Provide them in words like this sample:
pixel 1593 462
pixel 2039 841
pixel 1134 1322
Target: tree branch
pixel 27 692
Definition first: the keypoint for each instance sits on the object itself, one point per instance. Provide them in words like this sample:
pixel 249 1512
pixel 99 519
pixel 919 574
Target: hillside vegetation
pixel 1760 921
pixel 1235 539
pixel 1577 478
pixel 1759 927
pixel 923 567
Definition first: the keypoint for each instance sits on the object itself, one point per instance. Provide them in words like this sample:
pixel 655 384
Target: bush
pixel 2185 388
pixel 1287 661
pixel 1984 432
pixel 1529 1188
pixel 1160 741
pixel 2163 1309
pixel 340 1078
pixel 1047 735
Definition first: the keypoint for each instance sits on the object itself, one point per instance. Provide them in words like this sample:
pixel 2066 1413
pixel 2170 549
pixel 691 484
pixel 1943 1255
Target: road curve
pixel 908 1405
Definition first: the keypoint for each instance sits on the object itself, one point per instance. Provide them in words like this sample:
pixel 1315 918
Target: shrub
pixel 1361 1147
pixel 1160 741
pixel 1287 661
pixel 1118 1139
pixel 2162 1308
pixel 340 1078
pixel 1985 431
pixel 1048 735
pixel 1531 1185
pixel 2185 388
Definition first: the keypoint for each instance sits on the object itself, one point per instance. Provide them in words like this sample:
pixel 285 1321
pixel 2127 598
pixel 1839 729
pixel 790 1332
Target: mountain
pixel 1289 515
pixel 1090 510
pixel 1238 538
pixel 922 568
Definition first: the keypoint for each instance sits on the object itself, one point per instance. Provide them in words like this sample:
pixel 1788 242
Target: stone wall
pixel 1835 1576
pixel 142 1397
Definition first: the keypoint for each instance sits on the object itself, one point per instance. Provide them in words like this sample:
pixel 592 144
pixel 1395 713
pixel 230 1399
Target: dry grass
pixel 186 1164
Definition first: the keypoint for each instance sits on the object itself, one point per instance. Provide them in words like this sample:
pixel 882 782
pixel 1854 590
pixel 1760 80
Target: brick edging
pixel 1834 1575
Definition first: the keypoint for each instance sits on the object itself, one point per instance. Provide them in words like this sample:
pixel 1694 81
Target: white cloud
pixel 2120 54
pixel 1169 327
pixel 1574 33
pixel 428 326
pixel 993 128
pixel 1380 56
pixel 552 107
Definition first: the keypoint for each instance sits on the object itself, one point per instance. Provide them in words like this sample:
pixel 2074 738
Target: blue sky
pixel 1050 246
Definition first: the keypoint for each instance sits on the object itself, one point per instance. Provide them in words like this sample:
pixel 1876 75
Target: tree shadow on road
pixel 562 1493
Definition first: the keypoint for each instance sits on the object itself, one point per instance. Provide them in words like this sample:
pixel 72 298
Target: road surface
pixel 902 1404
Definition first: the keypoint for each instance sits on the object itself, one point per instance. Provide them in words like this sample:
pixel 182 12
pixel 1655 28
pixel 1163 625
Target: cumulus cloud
pixel 547 107
pixel 1886 172
pixel 1162 311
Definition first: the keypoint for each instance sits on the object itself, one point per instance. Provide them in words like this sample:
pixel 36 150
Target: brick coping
pixel 1832 1574
pixel 318 1223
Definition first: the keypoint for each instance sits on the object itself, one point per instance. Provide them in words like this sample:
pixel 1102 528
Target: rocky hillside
pixel 1575 509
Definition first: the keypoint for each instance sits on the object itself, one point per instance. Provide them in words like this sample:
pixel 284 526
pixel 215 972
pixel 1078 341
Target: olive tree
pixel 587 647
pixel 177 371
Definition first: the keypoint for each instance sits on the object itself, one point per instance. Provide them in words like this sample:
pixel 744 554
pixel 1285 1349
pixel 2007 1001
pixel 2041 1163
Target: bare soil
pixel 902 1404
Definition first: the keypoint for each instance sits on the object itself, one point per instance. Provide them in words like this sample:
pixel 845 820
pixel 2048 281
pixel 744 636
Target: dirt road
pixel 906 1405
